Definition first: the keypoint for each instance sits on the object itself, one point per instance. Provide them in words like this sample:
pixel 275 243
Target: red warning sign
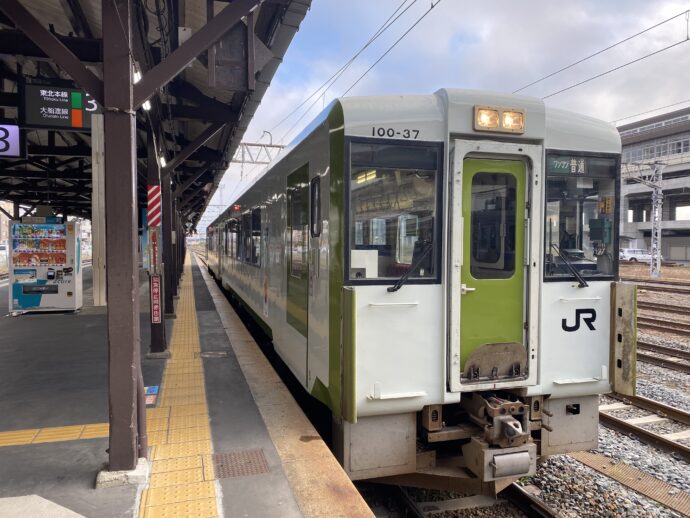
pixel 155 284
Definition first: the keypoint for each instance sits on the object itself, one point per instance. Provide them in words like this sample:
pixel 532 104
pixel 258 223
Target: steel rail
pixel 527 503
pixel 645 435
pixel 667 326
pixel 656 281
pixel 664 349
pixel 668 363
pixel 668 308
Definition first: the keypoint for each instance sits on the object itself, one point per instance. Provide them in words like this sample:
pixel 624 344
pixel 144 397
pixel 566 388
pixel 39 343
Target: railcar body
pixel 440 270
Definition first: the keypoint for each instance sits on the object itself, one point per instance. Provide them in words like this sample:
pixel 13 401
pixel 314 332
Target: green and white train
pixel 441 271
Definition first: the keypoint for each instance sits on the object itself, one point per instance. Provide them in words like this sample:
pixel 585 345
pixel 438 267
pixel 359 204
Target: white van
pixel 636 254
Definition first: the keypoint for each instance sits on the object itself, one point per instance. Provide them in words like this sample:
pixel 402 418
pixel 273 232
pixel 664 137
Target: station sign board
pixel 156 306
pixel 56 107
pixel 12 141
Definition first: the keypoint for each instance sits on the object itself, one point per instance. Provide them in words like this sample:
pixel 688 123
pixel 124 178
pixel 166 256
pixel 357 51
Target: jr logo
pixel 589 320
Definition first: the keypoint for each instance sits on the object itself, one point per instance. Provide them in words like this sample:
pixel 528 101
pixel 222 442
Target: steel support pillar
pixel 98 210
pixel 122 261
pixel 657 208
pixel 176 261
pixel 158 344
pixel 168 270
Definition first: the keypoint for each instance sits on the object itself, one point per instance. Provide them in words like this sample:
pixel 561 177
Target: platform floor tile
pixel 181 483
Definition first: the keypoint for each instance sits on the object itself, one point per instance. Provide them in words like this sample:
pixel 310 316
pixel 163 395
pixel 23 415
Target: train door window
pixel 298 224
pixel 256 236
pixel 315 207
pixel 226 238
pixel 232 251
pixel 238 240
pixel 492 240
pixel 247 237
pixel 394 205
pixel 580 216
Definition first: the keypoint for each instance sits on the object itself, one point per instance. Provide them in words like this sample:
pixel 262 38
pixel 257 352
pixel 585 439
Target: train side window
pixel 315 207
pixel 256 236
pixel 247 237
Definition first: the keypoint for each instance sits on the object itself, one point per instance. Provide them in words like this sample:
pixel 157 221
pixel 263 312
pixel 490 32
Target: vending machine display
pixel 44 266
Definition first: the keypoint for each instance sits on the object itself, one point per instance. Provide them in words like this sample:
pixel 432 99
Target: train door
pixel 297 247
pixel 492 275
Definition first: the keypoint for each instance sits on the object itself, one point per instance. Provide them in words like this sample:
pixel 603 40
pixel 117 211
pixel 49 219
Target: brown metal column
pixel 122 262
pixel 158 341
pixel 168 269
pixel 176 262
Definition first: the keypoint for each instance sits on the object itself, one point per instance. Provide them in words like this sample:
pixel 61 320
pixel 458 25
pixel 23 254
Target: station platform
pixel 225 436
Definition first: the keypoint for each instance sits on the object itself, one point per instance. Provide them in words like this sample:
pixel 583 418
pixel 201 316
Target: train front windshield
pixel 581 208
pixel 394 207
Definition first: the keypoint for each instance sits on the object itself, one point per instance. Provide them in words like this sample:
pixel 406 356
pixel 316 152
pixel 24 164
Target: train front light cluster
pixel 505 120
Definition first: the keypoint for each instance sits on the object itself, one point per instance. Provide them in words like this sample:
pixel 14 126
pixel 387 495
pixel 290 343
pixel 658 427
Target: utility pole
pixel 657 204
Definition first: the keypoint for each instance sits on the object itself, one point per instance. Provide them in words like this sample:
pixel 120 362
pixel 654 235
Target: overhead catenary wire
pixel 597 76
pixel 388 23
pixel 650 111
pixel 582 60
pixel 368 70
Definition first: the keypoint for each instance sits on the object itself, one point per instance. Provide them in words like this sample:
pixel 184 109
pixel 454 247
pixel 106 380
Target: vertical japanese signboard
pixel 56 107
pixel 155 284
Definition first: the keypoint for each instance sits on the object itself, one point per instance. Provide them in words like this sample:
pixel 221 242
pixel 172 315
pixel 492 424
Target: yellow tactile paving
pixel 18 437
pixel 175 478
pixel 178 464
pixel 58 433
pixel 179 431
pixel 205 508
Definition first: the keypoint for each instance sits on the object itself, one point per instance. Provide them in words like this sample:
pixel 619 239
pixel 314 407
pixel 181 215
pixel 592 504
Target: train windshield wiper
pixel 573 270
pixel 403 278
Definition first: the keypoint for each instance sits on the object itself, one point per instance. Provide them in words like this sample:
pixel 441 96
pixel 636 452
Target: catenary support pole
pixel 122 262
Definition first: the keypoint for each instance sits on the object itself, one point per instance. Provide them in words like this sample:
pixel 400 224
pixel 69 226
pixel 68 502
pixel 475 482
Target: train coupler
pixel 505 422
pixel 490 464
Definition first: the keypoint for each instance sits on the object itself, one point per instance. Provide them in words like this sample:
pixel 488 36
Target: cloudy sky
pixel 499 45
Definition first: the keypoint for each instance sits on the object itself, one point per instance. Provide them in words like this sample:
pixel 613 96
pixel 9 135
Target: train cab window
pixel 580 216
pixel 256 236
pixel 394 210
pixel 492 244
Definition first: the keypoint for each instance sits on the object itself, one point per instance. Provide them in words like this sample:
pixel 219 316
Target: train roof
pixel 451 111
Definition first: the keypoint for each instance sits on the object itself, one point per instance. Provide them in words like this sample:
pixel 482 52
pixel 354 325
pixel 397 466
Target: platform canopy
pixel 198 113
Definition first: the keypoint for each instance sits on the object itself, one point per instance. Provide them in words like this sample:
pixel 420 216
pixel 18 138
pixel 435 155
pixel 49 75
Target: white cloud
pixel 499 45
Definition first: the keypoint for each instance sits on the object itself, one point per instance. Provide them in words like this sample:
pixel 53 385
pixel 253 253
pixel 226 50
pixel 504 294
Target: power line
pixel 650 111
pixel 392 46
pixel 367 71
pixel 344 67
pixel 616 68
pixel 601 51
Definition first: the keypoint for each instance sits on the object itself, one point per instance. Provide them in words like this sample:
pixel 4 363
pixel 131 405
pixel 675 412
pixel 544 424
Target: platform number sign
pixel 11 141
pixel 58 107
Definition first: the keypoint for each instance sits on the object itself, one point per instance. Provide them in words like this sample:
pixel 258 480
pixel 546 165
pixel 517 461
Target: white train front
pixel 441 272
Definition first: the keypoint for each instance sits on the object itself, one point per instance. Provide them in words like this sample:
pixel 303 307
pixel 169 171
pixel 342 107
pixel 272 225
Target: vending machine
pixel 44 265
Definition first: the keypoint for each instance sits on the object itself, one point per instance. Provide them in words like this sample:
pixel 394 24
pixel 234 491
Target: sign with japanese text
pixel 155 284
pixel 565 165
pixel 12 143
pixel 57 107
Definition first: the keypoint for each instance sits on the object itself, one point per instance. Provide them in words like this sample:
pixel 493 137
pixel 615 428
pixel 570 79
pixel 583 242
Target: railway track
pixel 666 308
pixel 672 358
pixel 661 286
pixel 668 326
pixel 657 413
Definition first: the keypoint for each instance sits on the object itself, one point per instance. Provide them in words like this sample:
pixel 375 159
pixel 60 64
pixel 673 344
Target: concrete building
pixel 663 139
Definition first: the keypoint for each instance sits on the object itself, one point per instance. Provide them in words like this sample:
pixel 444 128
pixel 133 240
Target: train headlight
pixel 505 120
pixel 486 118
pixel 514 121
